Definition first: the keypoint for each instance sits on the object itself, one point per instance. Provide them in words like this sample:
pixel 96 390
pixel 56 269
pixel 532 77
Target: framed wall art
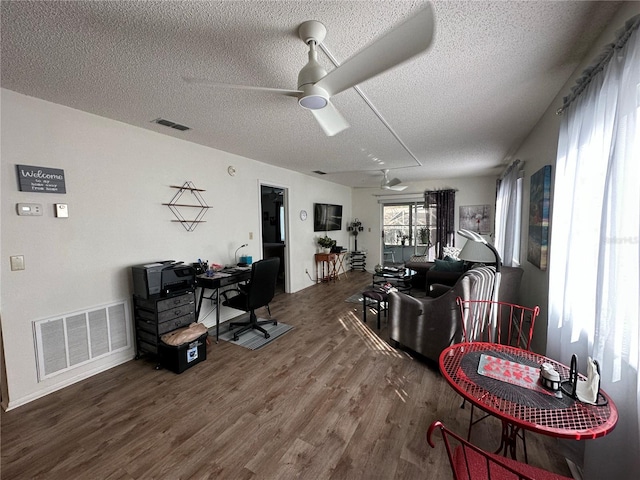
pixel 475 218
pixel 539 203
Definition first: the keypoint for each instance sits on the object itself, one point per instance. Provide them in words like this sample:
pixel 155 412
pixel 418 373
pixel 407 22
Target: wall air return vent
pixel 68 341
pixel 170 124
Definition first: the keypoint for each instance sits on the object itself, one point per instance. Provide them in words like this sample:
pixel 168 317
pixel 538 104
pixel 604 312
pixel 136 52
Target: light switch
pixel 62 210
pixel 250 235
pixel 17 262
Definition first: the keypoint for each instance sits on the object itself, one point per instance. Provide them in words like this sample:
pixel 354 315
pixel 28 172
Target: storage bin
pixel 181 357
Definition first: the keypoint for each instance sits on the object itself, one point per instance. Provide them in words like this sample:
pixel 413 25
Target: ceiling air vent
pixel 319 172
pixel 170 124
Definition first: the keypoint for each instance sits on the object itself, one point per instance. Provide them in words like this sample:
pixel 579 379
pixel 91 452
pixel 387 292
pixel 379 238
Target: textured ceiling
pixel 460 109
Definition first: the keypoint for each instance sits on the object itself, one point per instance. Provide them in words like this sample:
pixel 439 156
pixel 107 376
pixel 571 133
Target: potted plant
pixel 327 243
pixel 424 235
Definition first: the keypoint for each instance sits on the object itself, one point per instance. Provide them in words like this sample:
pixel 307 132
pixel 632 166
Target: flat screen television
pixel 327 217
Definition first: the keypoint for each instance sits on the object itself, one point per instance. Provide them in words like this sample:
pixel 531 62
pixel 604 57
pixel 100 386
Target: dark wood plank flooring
pixel 328 400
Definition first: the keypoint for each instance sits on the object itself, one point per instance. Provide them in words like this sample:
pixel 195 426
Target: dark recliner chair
pixel 429 325
pixel 255 294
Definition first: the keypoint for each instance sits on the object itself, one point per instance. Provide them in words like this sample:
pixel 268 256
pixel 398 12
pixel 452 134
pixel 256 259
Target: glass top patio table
pixel 398 277
pixel 532 407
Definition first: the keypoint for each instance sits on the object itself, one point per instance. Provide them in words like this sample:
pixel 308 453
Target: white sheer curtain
pixel 508 215
pixel 594 268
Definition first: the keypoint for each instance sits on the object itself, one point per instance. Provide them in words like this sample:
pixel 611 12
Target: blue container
pixel 248 259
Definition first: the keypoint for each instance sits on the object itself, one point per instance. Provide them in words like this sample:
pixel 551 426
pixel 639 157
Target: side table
pixel 327 262
pixel 378 296
pixel 338 265
pixel 358 260
pixel 400 278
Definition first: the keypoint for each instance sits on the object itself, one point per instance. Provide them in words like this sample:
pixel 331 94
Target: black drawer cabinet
pixel 155 317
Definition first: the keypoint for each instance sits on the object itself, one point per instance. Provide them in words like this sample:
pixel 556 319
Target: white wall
pixel 469 191
pixel 117 177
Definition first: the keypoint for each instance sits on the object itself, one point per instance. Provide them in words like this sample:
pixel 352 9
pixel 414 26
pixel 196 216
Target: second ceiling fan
pixel 316 86
pixel 391 184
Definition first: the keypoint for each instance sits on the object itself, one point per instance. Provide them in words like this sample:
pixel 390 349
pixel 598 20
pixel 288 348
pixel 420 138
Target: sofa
pixel 421 265
pixel 430 273
pixel 429 325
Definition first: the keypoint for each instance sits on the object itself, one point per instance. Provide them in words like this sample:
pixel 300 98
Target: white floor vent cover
pixel 71 340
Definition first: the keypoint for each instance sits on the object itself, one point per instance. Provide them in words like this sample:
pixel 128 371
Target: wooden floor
pixel 328 400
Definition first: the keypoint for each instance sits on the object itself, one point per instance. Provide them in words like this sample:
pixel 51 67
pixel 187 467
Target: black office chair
pixel 257 293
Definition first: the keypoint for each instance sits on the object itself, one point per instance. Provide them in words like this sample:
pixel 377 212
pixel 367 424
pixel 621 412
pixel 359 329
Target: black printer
pixel 162 279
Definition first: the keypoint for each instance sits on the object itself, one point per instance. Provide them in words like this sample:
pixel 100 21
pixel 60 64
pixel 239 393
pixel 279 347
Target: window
pixel 508 215
pixel 594 273
pixel 408 224
pixel 515 256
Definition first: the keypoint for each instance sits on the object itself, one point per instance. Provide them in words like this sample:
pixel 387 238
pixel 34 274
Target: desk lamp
pixel 480 241
pixel 235 255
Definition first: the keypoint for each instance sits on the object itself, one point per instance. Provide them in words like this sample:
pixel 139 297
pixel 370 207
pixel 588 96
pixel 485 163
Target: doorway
pixel 273 202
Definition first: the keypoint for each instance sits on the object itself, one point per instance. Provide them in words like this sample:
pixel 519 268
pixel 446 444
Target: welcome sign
pixel 41 179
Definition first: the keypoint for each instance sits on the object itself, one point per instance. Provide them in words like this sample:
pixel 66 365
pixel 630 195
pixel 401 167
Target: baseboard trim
pixel 115 360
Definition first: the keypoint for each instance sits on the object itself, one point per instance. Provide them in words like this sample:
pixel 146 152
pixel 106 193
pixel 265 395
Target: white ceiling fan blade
pixel 330 119
pixel 400 44
pixel 394 182
pixel 396 188
pixel 210 83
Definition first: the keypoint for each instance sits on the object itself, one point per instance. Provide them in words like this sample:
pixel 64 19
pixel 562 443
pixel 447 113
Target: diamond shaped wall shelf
pixel 174 206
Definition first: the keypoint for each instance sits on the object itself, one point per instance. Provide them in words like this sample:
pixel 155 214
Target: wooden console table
pixel 327 267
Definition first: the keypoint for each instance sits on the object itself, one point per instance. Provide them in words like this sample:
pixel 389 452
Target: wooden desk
pixel 327 263
pixel 219 280
pixel 532 407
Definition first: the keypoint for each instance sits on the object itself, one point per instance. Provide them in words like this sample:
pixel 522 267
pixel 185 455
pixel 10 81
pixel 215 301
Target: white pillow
pixel 452 252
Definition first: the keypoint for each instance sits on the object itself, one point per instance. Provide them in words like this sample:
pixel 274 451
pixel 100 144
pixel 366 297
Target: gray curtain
pixel 444 202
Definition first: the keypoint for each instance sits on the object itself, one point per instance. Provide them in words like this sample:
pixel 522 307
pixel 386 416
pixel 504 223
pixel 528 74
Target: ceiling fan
pixel 316 86
pixel 393 184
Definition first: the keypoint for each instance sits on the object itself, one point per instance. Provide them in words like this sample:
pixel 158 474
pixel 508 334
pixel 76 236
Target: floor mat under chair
pixel 253 339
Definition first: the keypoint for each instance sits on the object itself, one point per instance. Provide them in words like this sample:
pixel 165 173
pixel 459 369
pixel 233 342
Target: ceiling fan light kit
pixel 313 97
pixel 316 86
